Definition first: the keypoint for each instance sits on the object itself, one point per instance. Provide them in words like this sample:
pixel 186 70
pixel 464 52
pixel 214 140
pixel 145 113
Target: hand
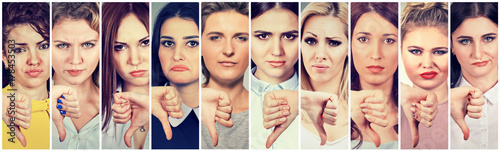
pixel 20 113
pixel 139 104
pixel 65 100
pixel 419 106
pixel 368 106
pixel 216 106
pixel 321 108
pixel 165 102
pixel 466 101
pixel 291 97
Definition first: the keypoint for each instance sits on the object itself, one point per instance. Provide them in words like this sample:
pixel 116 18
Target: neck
pixel 36 93
pixel 87 90
pixel 189 93
pixel 141 89
pixel 273 80
pixel 441 91
pixel 330 86
pixel 483 83
pixel 386 87
pixel 235 89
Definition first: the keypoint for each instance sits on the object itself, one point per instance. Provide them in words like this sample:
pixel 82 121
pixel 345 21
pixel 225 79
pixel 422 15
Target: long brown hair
pixel 113 13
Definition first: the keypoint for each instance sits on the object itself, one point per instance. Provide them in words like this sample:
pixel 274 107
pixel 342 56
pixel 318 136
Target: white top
pixel 311 141
pixel 113 134
pixel 174 122
pixel 371 145
pixel 289 139
pixel 86 138
pixel 483 131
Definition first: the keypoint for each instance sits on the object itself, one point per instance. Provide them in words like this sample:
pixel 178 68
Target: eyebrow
pixel 142 39
pixel 314 35
pixel 390 35
pixel 291 32
pixel 24 44
pixel 240 34
pixel 488 34
pixel 214 32
pixel 415 47
pixel 262 32
pixel 191 37
pixel 166 37
pixel 438 48
pixel 364 33
pixel 464 37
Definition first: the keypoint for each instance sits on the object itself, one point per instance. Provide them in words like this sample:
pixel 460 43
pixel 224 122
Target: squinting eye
pixel 213 38
pixel 62 46
pixel 440 52
pixel 310 41
pixel 334 43
pixel 465 41
pixel 263 36
pixel 242 38
pixel 145 43
pixel 192 44
pixel 88 45
pixel 389 40
pixel 167 43
pixel 363 39
pixel 120 47
pixel 415 51
pixel 289 37
pixel 19 50
pixel 489 39
pixel 44 46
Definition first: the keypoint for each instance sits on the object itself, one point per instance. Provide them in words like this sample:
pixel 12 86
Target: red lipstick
pixel 375 68
pixel 428 75
pixel 179 68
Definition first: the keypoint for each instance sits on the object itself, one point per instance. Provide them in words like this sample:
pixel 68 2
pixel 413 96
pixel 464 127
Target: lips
pixel 428 75
pixel 34 72
pixel 480 63
pixel 276 63
pixel 375 68
pixel 74 72
pixel 320 67
pixel 179 68
pixel 227 63
pixel 137 73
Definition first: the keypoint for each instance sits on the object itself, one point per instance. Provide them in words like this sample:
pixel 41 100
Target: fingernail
pixel 286 108
pixel 63 112
pixel 367 116
pixel 59 106
pixel 412 109
pixel 413 104
pixel 284 103
pixel 364 110
pixel 286 113
pixel 63 97
pixel 283 119
pixel 59 101
pixel 362 105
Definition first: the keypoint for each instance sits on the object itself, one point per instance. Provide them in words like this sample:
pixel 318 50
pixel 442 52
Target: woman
pixel 224 61
pixel 25 49
pixel 274 64
pixel 324 69
pixel 75 35
pixel 374 75
pixel 474 69
pixel 424 52
pixel 175 64
pixel 128 71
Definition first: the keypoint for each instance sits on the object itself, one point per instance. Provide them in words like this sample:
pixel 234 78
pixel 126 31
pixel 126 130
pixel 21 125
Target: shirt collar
pixel 185 112
pixel 259 86
pixel 490 95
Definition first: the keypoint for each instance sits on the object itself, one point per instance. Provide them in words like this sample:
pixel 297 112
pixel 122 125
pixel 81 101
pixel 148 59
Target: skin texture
pixel 321 107
pixel 466 101
pixel 165 102
pixel 275 38
pixel 216 108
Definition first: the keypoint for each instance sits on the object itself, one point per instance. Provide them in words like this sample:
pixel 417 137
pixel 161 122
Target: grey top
pixel 236 137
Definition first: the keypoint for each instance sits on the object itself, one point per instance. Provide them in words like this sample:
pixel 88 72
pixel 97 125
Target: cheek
pixel 442 63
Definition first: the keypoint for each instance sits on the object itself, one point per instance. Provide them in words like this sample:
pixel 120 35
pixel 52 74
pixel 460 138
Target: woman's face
pixel 225 45
pixel 131 51
pixel 425 56
pixel 179 50
pixel 375 49
pixel 475 44
pixel 76 52
pixel 324 47
pixel 275 43
pixel 32 65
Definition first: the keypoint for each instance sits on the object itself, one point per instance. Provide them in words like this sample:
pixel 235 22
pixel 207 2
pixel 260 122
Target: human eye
pixel 44 46
pixel 415 51
pixel 289 37
pixel 263 36
pixel 363 39
pixel 120 47
pixel 145 43
pixel 389 40
pixel 19 50
pixel 311 41
pixel 214 38
pixel 440 52
pixel 167 43
pixel 334 43
pixel 242 38
pixel 192 44
pixel 489 39
pixel 88 45
pixel 62 46
pixel 465 41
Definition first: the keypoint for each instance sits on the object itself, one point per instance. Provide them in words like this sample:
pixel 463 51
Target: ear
pixel 4 59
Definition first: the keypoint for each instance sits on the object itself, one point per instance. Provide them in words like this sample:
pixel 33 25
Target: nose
pixel 427 61
pixel 34 59
pixel 376 51
pixel 178 55
pixel 76 57
pixel 228 49
pixel 478 50
pixel 277 47
pixel 320 54
pixel 135 58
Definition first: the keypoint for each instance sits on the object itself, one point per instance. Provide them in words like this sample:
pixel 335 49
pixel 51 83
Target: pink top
pixel 435 137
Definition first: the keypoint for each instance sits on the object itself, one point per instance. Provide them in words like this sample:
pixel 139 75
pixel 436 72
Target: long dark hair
pixel 460 12
pixel 187 11
pixel 113 14
pixel 34 14
pixel 389 11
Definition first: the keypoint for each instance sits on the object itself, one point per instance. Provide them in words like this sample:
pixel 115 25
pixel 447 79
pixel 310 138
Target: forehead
pixel 477 26
pixel 374 23
pixel 69 29
pixel 131 23
pixel 228 21
pixel 179 26
pixel 328 25
pixel 276 19
pixel 426 37
pixel 24 33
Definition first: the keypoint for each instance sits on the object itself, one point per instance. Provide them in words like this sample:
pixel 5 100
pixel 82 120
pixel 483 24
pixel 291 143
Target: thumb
pixel 128 135
pixel 166 127
pixel 60 130
pixel 275 134
pixel 20 136
pixel 372 134
pixel 213 132
pixel 321 131
pixel 463 126
pixel 414 132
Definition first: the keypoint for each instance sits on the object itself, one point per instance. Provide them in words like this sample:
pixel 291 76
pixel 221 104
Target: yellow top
pixel 38 135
